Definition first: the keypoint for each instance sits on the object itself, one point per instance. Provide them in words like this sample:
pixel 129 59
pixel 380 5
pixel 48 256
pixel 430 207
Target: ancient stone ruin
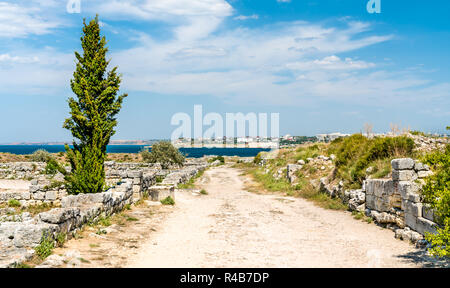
pixel 395 203
pixel 128 182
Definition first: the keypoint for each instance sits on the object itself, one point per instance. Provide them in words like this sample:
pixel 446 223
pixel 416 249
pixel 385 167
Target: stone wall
pixel 20 233
pixel 142 175
pixel 21 170
pixel 394 202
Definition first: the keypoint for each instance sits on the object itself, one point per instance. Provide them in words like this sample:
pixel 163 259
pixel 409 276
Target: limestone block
pixel 51 195
pixel 409 191
pixel 411 221
pixel 30 235
pixel 404 175
pixel 402 164
pixel 158 193
pixel 427 212
pixel 59 215
pixel 425 225
pixel 424 174
pixel 412 208
pixel 134 174
pixel 38 196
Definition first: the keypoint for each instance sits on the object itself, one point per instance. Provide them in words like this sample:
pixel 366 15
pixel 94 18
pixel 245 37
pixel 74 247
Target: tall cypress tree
pixel 93 112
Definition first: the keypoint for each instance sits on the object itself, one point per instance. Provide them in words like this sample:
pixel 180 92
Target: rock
pixel 30 235
pixel 424 174
pixel 332 157
pixel 301 162
pixel 52 261
pixel 59 215
pixel 403 164
pixel 369 170
pixel 383 218
pixel 404 175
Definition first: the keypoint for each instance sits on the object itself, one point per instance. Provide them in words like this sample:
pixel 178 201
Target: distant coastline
pixel 117 148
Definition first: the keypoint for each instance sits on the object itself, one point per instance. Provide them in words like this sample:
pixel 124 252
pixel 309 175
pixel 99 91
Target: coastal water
pixel 189 152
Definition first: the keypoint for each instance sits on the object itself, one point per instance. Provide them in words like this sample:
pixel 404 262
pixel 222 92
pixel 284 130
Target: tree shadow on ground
pixel 421 257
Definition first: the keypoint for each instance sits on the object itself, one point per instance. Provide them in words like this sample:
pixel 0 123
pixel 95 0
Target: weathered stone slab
pixel 403 164
pixel 158 193
pixel 404 175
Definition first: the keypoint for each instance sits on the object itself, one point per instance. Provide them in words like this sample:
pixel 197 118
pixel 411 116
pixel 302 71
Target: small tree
pixel 164 153
pixel 93 113
pixel 368 129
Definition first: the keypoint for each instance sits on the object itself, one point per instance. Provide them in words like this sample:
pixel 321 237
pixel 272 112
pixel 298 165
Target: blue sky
pixel 324 65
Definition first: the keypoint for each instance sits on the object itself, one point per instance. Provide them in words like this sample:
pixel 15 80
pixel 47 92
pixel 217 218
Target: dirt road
pixel 231 227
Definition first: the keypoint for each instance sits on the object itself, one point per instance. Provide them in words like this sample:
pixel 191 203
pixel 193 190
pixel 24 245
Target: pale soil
pixel 231 227
pixel 20 185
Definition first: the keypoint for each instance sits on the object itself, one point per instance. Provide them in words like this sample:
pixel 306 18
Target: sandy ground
pixel 21 185
pixel 231 227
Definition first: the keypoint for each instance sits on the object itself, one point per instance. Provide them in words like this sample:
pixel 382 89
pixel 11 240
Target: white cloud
pixel 18 21
pixel 290 63
pixel 167 10
pixel 330 63
pixel 243 17
pixel 6 58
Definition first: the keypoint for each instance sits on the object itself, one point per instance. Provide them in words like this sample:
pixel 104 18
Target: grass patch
pixel 321 199
pixel 168 201
pixel 13 203
pixel 131 219
pixel 45 247
pixel 356 153
pixel 191 183
pixel 203 192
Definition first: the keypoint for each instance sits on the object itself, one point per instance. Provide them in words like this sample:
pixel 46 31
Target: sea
pixel 188 152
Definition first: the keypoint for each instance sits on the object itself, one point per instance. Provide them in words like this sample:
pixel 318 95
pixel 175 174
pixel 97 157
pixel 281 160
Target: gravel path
pixel 231 227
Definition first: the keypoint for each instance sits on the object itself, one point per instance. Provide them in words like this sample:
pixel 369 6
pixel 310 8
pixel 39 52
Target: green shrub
pixel 356 153
pixel 164 153
pixel 60 239
pixel 220 158
pixel 40 155
pixel 13 203
pixel 436 192
pixel 54 167
pixel 45 248
pixel 168 201
pixel 258 158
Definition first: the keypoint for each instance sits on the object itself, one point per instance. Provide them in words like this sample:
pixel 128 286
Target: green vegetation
pixel 45 248
pixel 60 239
pixel 357 153
pixel 131 219
pixel 21 266
pixel 13 203
pixel 203 192
pixel 164 153
pixel 54 167
pixel 191 183
pixel 168 201
pixel 40 155
pixel 436 192
pixel 93 113
pixel 220 158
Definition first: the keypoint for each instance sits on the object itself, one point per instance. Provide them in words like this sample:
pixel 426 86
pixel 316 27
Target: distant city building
pixel 330 137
